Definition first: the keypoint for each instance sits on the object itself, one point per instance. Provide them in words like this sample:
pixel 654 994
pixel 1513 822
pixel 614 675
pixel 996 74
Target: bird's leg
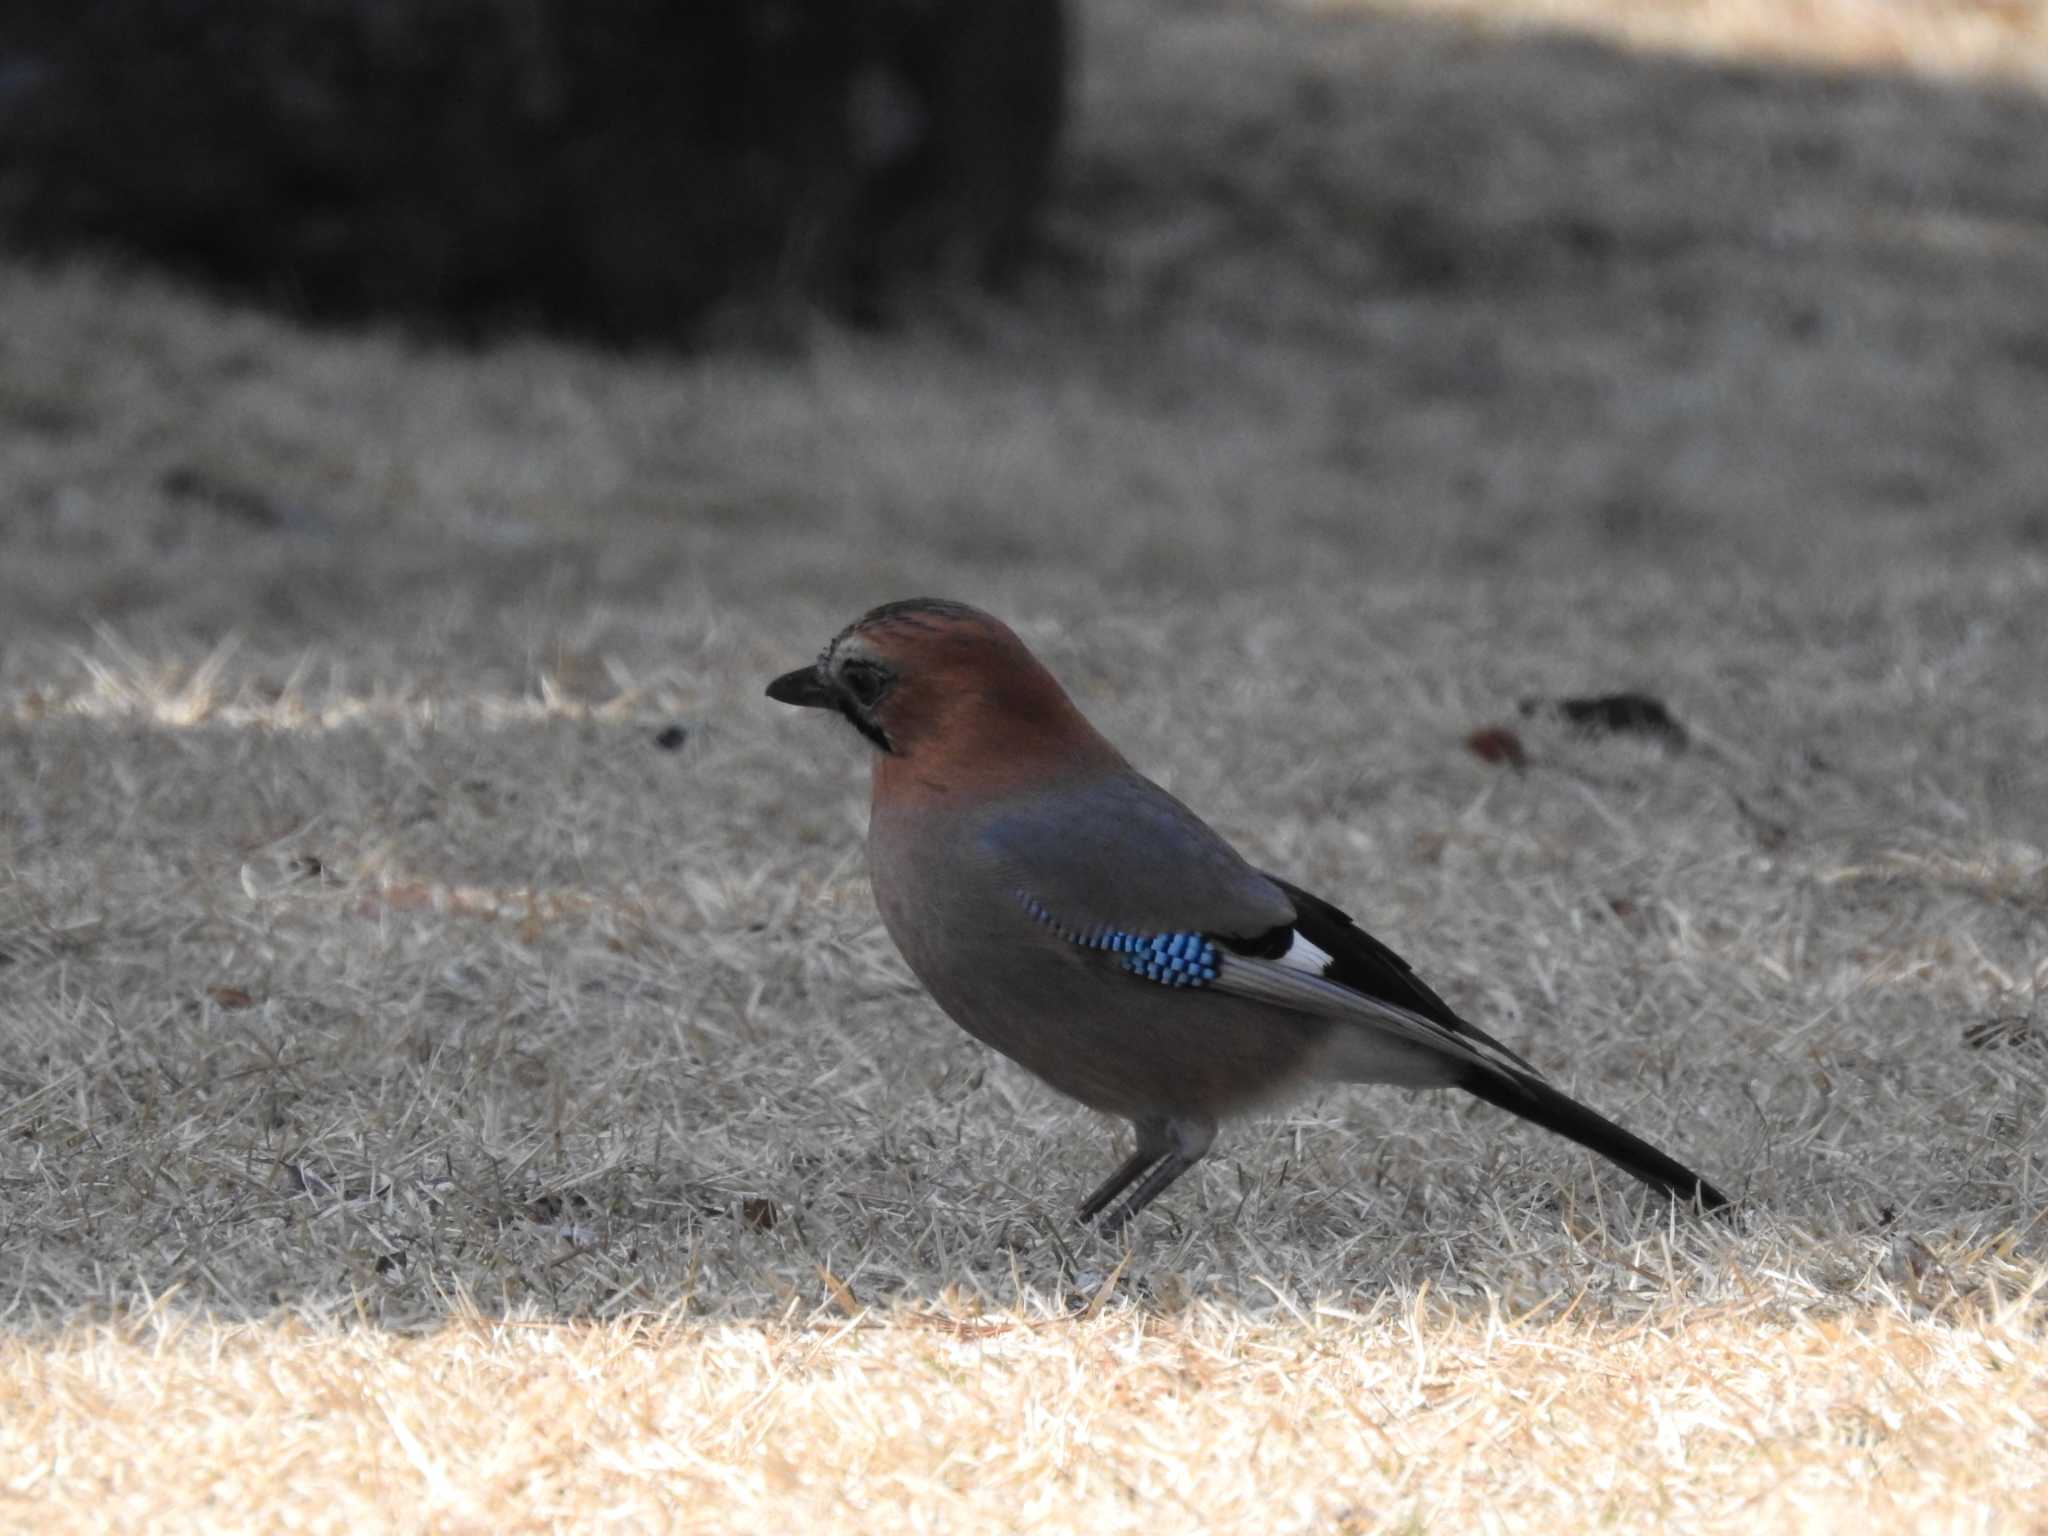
pixel 1188 1141
pixel 1154 1142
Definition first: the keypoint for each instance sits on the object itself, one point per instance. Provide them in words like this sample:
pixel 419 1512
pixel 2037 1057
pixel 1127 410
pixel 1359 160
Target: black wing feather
pixel 1362 962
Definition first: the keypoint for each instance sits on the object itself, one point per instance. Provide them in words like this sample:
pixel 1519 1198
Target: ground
pixel 455 1078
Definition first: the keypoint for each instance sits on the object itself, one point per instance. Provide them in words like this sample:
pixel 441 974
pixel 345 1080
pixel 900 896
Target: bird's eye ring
pixel 864 682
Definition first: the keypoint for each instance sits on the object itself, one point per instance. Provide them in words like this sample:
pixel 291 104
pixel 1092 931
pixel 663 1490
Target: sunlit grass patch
pixel 1407 1415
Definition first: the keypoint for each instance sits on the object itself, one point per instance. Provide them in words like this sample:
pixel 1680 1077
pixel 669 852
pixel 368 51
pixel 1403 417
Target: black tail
pixel 1538 1101
pixel 1361 962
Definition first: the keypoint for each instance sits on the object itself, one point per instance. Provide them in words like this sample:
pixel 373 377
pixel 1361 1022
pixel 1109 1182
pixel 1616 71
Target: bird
pixel 1074 915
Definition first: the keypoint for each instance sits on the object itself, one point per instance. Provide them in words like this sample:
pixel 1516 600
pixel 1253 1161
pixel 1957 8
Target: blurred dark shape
pixel 622 168
pixel 1617 713
pixel 1497 744
pixel 1768 831
pixel 670 738
pixel 185 482
pixel 1991 1034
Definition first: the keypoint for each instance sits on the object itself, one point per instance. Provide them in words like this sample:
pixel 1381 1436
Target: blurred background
pixel 310 307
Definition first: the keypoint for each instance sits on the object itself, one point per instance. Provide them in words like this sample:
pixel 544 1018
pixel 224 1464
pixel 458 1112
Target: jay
pixel 1066 910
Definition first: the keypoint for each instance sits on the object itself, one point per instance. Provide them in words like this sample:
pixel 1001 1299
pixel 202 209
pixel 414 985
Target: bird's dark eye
pixel 865 682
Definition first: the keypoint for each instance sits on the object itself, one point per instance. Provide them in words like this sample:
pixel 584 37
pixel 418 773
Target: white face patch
pixel 1303 956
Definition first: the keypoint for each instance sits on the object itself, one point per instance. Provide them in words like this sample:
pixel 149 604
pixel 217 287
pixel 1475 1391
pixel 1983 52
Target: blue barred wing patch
pixel 1179 959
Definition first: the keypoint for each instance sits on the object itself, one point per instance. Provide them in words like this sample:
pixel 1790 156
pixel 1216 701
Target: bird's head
pixel 949 687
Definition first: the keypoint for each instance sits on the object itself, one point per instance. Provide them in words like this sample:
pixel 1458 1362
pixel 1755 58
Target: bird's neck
pixel 968 767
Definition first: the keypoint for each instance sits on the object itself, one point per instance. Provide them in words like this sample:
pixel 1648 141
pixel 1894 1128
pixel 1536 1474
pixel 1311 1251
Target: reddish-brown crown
pixel 970 709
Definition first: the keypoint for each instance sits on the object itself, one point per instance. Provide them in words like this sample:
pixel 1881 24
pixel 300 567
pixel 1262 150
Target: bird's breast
pixel 938 894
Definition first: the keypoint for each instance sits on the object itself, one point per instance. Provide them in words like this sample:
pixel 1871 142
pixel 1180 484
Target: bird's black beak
pixel 803 687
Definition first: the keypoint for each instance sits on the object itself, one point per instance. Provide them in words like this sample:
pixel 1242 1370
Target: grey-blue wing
pixel 1123 854
pixel 1124 870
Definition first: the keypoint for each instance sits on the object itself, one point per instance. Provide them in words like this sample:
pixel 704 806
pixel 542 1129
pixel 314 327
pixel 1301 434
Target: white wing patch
pixel 1305 957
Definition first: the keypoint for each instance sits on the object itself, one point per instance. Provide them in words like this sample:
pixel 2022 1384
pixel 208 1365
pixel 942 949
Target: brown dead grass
pixel 1406 1417
pixel 428 1102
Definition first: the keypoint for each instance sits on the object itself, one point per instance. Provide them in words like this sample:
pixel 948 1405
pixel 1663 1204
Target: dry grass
pixel 429 1102
pixel 472 1041
pixel 1999 39
pixel 1405 1417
